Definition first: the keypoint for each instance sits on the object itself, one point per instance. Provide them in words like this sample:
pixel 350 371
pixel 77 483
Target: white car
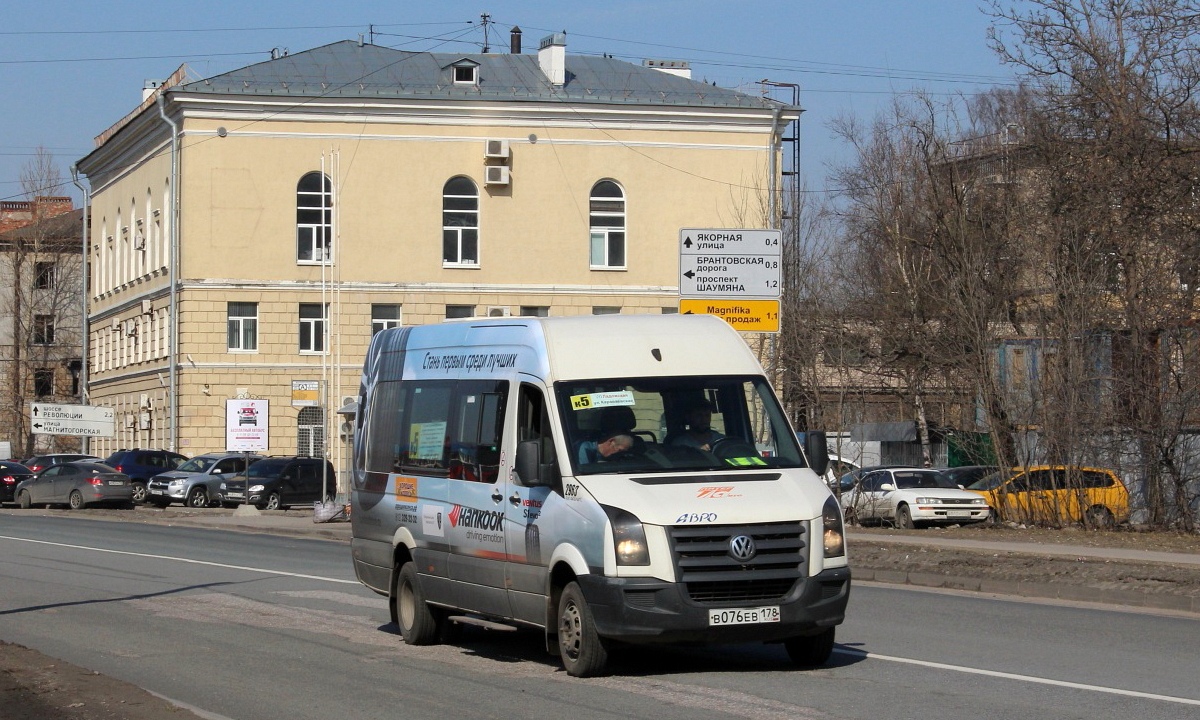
pixel 908 497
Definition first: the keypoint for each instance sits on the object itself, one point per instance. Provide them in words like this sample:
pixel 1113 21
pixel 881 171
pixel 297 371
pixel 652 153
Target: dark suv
pixel 141 465
pixel 277 483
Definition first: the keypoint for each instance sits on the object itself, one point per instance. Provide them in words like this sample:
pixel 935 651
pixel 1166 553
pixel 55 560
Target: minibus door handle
pixel 496 496
pixel 515 499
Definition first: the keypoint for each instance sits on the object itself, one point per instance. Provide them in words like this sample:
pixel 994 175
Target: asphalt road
pixel 260 626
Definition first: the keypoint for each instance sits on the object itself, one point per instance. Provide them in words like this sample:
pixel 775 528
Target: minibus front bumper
pixel 647 610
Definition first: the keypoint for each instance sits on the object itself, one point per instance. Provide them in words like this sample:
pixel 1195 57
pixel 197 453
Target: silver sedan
pixel 76 485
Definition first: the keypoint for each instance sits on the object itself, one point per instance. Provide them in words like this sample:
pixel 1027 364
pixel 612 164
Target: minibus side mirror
pixel 816 449
pixel 531 470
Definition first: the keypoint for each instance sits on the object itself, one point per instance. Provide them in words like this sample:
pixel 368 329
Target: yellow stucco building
pixel 250 231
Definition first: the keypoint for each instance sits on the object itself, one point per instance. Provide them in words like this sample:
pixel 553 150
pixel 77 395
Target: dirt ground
pixel 1121 575
pixel 36 687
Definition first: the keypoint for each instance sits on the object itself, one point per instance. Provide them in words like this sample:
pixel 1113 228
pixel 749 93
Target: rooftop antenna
pixel 487 20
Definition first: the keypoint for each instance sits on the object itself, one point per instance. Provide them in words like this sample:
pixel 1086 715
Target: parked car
pixel 847 481
pixel 76 484
pixel 277 483
pixel 37 463
pixel 1056 495
pixel 964 475
pixel 911 497
pixel 11 473
pixel 838 467
pixel 197 482
pixel 141 465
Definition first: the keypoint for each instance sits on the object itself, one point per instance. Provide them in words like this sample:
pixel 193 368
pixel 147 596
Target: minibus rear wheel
pixel 416 620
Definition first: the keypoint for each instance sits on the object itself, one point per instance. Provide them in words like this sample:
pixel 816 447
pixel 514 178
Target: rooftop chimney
pixel 671 67
pixel 514 40
pixel 552 58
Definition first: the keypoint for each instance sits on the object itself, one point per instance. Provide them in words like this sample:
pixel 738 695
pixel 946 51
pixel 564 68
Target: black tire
pixel 198 497
pixel 75 500
pixel 582 650
pixel 139 492
pixel 1099 517
pixel 904 519
pixel 23 500
pixel 810 650
pixel 273 502
pixel 412 614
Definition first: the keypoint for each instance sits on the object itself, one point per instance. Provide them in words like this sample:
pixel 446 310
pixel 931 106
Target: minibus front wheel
pixel 582 650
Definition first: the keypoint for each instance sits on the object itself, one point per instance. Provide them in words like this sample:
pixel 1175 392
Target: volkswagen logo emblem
pixel 741 548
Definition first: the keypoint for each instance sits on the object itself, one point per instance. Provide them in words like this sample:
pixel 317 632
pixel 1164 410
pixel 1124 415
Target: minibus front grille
pixel 705 563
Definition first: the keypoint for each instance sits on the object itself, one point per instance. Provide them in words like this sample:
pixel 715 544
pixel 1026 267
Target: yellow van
pixel 1056 495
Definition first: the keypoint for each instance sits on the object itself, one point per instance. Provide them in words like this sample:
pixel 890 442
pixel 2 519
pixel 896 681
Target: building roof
pixel 361 70
pixel 65 228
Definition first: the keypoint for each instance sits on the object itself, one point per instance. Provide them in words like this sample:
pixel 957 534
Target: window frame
pixel 320 234
pixel 603 228
pixel 45 275
pixel 242 322
pixel 316 328
pixel 378 322
pixel 458 234
pixel 43 329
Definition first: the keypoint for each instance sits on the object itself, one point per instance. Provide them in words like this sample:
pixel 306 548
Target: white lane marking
pixel 1022 678
pixel 182 560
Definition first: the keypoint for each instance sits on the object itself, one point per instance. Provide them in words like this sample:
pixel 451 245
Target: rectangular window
pixel 43 329
pixel 313 318
pixel 45 274
pixel 441 428
pixel 601 310
pixel 535 311
pixel 384 317
pixel 672 310
pixel 43 382
pixel 459 311
pixel 243 326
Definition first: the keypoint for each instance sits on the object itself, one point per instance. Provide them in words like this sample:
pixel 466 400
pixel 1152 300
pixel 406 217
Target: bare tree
pixel 42 264
pixel 1113 138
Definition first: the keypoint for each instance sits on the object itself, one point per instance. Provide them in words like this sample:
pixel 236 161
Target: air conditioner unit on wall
pixel 495 175
pixel 116 324
pixel 495 149
pixel 498 311
pixel 147 307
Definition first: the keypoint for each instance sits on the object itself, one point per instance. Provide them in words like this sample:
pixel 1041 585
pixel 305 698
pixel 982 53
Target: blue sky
pixel 69 70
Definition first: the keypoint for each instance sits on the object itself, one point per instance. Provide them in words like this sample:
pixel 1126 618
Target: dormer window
pixel 466 72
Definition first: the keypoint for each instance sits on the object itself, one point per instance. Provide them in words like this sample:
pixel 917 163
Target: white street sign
pixel 246 425
pixel 86 420
pixel 729 263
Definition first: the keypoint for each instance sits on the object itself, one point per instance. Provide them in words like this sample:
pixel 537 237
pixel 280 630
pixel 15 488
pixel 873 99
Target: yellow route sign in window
pixel 744 315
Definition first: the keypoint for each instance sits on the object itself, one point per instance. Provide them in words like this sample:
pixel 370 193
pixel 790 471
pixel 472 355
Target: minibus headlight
pixel 629 537
pixel 257 488
pixel 835 533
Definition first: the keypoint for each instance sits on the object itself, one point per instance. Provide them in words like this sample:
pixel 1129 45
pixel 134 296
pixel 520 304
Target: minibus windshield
pixel 669 424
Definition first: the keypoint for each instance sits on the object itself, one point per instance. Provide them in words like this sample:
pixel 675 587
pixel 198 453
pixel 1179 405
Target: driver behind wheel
pixel 699 434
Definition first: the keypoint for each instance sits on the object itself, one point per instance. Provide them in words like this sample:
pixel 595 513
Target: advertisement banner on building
pixel 246 424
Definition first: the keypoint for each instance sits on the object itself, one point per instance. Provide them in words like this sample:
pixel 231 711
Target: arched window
pixel 607 221
pixel 460 223
pixel 314 218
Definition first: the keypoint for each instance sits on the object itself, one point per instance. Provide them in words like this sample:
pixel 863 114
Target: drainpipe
pixel 83 300
pixel 173 343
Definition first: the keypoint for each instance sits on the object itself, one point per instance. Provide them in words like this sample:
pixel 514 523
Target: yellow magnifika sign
pixel 743 315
